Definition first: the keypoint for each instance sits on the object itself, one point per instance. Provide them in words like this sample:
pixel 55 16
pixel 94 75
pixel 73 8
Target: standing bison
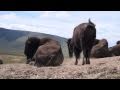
pixel 45 52
pixel 83 39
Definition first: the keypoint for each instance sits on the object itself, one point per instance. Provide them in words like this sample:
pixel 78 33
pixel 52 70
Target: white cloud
pixel 33 28
pixel 47 13
pixel 55 14
pixel 9 16
pixel 62 14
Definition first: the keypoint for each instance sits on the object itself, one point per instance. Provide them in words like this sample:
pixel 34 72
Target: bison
pixel 45 51
pixel 83 39
pixel 115 50
pixel 100 49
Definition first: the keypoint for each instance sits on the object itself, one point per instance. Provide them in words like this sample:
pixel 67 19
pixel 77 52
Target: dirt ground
pixel 104 68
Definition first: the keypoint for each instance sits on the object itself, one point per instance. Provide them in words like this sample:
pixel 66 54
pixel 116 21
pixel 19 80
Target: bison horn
pixel 89 20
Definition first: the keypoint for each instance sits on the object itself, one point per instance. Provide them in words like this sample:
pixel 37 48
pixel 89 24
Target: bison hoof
pixel 27 62
pixel 88 62
pixel 76 63
pixel 83 64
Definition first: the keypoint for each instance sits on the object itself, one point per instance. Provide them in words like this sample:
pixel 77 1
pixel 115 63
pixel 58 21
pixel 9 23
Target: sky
pixel 62 23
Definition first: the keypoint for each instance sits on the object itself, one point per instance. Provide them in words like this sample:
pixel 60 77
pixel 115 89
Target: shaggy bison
pixel 83 39
pixel 45 51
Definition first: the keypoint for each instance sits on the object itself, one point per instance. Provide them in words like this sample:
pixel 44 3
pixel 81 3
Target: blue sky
pixel 62 23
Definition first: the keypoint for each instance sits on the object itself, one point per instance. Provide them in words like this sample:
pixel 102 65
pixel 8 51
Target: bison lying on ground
pixel 115 50
pixel 83 39
pixel 100 49
pixel 45 52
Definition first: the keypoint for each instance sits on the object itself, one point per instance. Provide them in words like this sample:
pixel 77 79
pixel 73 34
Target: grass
pixel 8 59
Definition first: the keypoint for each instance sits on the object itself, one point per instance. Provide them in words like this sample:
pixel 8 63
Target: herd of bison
pixel 48 52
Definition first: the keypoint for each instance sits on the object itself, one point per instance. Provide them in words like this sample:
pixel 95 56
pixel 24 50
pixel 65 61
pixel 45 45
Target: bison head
pixel 70 47
pixel 31 46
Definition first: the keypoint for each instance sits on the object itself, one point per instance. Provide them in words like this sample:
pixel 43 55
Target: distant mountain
pixel 13 41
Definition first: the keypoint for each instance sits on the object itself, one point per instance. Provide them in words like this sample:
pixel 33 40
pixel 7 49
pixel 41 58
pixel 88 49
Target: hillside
pixel 13 41
pixel 104 68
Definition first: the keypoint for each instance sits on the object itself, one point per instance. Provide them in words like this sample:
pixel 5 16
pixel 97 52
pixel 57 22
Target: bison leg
pixel 88 56
pixel 88 62
pixel 77 54
pixel 38 64
pixel 76 62
pixel 28 61
pixel 83 62
pixel 85 56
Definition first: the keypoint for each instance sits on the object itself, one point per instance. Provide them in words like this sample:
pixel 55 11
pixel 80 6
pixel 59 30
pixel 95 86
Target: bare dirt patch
pixel 104 68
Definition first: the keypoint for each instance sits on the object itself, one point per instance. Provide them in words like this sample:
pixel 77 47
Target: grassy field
pixel 11 59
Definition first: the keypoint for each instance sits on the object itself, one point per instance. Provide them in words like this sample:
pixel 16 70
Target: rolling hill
pixel 13 41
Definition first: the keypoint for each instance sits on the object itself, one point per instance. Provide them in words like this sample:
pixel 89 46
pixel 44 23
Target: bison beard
pixel 31 46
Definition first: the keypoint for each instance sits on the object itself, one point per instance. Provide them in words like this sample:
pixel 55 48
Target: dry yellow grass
pixel 10 59
pixel 104 68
